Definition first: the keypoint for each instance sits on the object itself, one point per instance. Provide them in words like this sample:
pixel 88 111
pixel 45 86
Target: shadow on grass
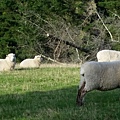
pixel 18 105
pixel 27 68
pixel 32 104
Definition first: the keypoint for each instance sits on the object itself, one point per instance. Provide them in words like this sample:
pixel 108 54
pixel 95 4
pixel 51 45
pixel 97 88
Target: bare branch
pixel 74 43
pixel 48 58
pixel 111 36
pixel 69 43
pixel 115 14
pixel 57 49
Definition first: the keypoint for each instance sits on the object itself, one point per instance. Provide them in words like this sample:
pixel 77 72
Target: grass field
pixel 49 93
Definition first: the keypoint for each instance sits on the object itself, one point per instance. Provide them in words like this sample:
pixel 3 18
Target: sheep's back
pixel 4 66
pixel 110 75
pixel 28 63
pixel 103 75
pixel 108 55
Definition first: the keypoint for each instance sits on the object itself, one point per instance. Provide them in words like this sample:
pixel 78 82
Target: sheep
pixel 101 76
pixel 8 63
pixel 31 63
pixel 108 56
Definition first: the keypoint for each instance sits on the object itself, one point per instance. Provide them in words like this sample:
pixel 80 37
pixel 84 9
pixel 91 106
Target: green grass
pixel 49 93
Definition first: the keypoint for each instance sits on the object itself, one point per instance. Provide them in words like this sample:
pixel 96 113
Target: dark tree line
pixel 77 28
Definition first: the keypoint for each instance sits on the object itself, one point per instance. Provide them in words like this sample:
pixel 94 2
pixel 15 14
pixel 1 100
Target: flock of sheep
pixel 10 61
pixel 102 75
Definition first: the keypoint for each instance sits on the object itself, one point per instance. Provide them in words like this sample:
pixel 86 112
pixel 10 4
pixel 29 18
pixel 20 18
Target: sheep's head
pixel 81 94
pixel 11 57
pixel 38 57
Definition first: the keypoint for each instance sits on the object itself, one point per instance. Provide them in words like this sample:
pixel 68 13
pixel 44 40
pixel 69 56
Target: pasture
pixel 49 93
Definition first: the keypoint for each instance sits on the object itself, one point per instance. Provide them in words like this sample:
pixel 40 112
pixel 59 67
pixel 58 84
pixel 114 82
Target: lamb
pixel 101 76
pixel 108 56
pixel 31 63
pixel 8 63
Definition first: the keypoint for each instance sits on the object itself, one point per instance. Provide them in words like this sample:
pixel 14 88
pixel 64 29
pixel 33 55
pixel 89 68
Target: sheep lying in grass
pixel 31 63
pixel 98 75
pixel 108 55
pixel 8 63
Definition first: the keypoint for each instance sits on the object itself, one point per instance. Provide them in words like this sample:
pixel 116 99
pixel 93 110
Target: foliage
pixel 110 5
pixel 24 25
pixel 9 20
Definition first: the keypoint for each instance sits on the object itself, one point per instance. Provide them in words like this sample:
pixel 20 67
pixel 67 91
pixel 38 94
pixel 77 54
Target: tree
pixel 77 29
pixel 9 20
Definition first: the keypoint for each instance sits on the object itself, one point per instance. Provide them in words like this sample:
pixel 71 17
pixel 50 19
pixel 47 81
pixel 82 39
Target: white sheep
pixel 8 63
pixel 108 56
pixel 98 75
pixel 31 63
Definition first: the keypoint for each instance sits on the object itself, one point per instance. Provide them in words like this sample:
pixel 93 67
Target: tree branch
pixel 74 43
pixel 68 43
pixel 105 26
pixel 115 14
pixel 48 58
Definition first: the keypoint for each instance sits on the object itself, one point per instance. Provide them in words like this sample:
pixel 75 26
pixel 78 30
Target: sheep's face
pixel 11 57
pixel 38 57
pixel 81 94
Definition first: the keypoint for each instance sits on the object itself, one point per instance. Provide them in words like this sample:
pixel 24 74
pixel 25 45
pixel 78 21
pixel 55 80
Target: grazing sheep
pixel 101 76
pixel 31 63
pixel 8 63
pixel 108 55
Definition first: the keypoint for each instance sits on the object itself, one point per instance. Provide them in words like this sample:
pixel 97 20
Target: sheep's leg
pixel 81 94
